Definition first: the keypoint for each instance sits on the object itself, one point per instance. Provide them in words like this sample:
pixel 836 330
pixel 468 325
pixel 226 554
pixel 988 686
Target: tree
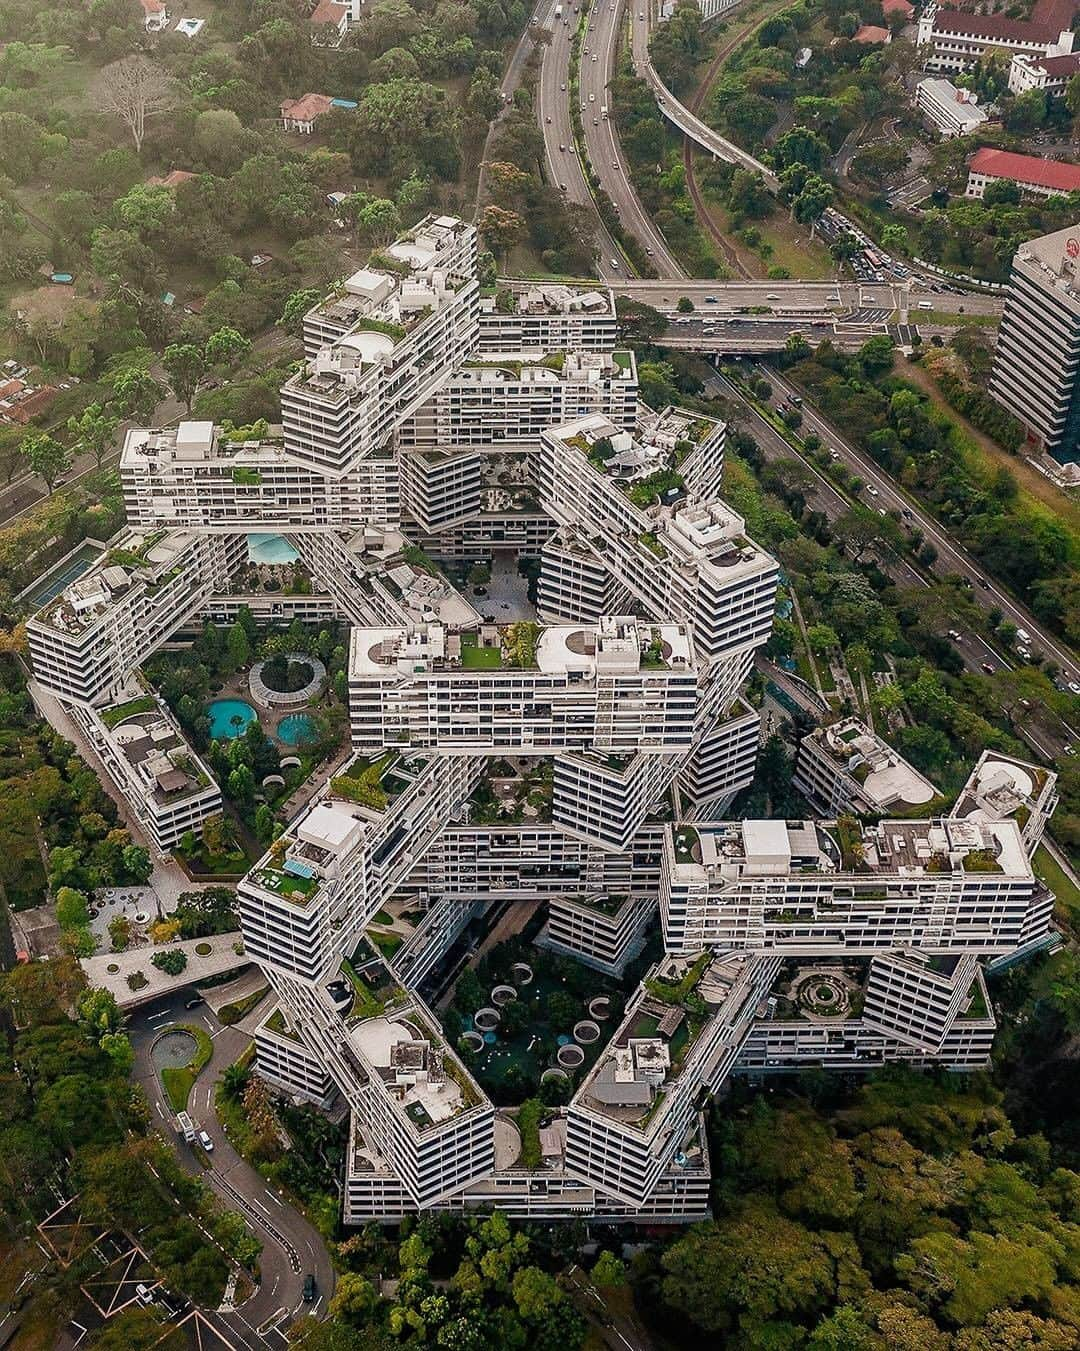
pixel 237 647
pixel 608 1270
pixel 134 89
pixel 226 347
pixel 185 365
pixel 117 1046
pixel 119 933
pixel 501 229
pixel 172 961
pixel 354 1298
pixel 93 430
pixel 47 458
pixel 138 864
pixel 822 639
pixel 98 1012
pixel 297 305
pixel 71 908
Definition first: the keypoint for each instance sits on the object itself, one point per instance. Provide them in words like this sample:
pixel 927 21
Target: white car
pixel 872 491
pixel 1023 635
pixel 614 262
pixel 206 1142
pixel 1074 688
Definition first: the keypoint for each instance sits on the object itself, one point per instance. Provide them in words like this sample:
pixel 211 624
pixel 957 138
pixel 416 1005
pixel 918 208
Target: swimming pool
pixel 230 718
pixel 270 549
pixel 298 729
pixel 60 576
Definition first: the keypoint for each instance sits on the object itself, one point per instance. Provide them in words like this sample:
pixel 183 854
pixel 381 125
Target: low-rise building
pixel 331 20
pixel 1034 176
pixel 957 38
pixel 847 767
pixel 953 111
pixel 300 115
pixel 1050 74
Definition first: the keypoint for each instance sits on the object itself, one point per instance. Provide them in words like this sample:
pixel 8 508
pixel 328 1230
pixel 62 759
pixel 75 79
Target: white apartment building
pixel 1000 787
pixel 1036 373
pixel 847 767
pixel 542 317
pixel 953 111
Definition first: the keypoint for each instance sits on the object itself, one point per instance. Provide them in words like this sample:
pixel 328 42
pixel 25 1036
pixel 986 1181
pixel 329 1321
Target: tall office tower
pixel 550 750
pixel 1036 373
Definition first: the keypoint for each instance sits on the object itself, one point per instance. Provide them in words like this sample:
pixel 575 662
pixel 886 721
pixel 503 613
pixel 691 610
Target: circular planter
pixel 570 1057
pixel 586 1032
pixel 273 778
pixel 503 994
pixel 203 949
pixel 112 968
pixel 521 973
pixel 288 762
pixel 473 1040
pixel 487 1019
pixel 600 1008
pixel 555 1073
pixel 263 694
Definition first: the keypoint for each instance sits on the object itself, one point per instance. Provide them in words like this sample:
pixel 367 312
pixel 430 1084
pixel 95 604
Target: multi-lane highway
pixel 786 296
pixel 598 60
pixel 564 167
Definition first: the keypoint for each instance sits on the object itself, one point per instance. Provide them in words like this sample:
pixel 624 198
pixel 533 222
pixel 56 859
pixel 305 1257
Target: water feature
pixel 173 1050
pixel 298 729
pixel 230 718
pixel 270 549
pixel 61 575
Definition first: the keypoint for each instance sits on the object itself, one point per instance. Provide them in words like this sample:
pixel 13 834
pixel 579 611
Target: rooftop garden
pixel 651 541
pixel 981 861
pixel 660 483
pixel 246 477
pixel 374 988
pixel 477 658
pixel 849 834
pixel 414 555
pixel 144 703
pixel 512 800
pixel 681 991
pixel 363 784
pixel 687 845
pixel 276 1023
pixel 384 326
pixel 517 648
pixel 652 655
pixel 286 884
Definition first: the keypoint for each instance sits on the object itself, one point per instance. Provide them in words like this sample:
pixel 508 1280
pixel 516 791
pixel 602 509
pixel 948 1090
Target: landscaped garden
pixel 522 1023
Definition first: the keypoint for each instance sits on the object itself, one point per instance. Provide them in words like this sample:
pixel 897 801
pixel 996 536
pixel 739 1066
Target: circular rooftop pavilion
pixel 368 346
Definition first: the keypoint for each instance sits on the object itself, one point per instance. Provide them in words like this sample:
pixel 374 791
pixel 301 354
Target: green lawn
pixel 479 658
pixel 1067 895
pixel 179 1082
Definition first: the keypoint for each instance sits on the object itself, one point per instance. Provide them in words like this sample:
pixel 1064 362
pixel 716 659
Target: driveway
pixel 291 1246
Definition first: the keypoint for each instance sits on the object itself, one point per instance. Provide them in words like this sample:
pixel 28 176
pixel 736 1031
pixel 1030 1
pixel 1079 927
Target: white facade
pixel 953 111
pixel 958 38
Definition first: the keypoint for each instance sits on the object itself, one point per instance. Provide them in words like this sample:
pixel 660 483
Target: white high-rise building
pixel 569 757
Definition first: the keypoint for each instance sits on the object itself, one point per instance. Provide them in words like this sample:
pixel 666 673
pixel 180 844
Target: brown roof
pixel 993 26
pixel 170 180
pixel 872 33
pixel 1043 173
pixel 1056 14
pixel 305 109
pixel 1059 65
pixel 904 7
pixel 327 11
pixel 10 387
pixel 25 409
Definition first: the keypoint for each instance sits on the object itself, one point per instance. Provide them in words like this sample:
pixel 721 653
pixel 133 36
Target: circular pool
pixel 570 1057
pixel 230 718
pixel 298 729
pixel 173 1050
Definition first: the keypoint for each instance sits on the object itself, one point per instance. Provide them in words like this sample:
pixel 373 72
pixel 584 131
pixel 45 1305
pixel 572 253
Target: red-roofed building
pixel 155 16
pixel 871 34
pixel 902 7
pixel 1051 74
pixel 171 180
pixel 331 19
pixel 301 114
pixel 958 39
pixel 25 403
pixel 1034 176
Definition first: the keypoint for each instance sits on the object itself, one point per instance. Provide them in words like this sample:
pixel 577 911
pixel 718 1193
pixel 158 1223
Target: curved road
pixel 292 1248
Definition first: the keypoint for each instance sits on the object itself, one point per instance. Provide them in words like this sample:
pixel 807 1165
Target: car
pixel 1025 652
pixel 194 1002
pixel 596 121
pixel 310 1288
pixel 772 296
pixel 1068 750
pixel 906 511
pixel 988 668
pixel 144 1294
pixel 834 454
pixel 206 1142
pixel 1023 635
pixel 882 512
pixel 595 57
pixel 649 252
pixel 592 98
pixel 955 635
pixel 562 147
pixel 548 121
pixel 563 88
pixel 614 162
pixel 711 300
pixel 872 490
pixel 1074 688
pixel 614 262
pixel 562 187
pixel 984 583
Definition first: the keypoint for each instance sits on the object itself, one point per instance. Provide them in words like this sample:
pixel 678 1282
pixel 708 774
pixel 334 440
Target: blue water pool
pixel 297 729
pixel 230 718
pixel 270 549
pixel 61 576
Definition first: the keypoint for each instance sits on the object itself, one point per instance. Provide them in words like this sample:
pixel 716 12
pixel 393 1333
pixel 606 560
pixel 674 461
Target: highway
pixel 564 167
pixel 782 296
pixel 952 559
pixel 598 61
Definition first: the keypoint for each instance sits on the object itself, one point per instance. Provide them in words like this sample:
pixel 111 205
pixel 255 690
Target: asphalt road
pixel 602 144
pixel 951 557
pixel 292 1248
pixel 564 167
pixel 798 295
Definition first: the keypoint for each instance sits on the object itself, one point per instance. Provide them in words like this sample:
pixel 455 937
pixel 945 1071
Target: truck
pixel 185 1127
pixel 558 12
pixel 603 112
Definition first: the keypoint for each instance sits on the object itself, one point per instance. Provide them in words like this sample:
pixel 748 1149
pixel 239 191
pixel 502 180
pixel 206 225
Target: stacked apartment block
pixel 433 419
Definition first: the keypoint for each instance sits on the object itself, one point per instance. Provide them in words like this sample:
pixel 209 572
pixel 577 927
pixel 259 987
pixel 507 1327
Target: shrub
pixel 172 961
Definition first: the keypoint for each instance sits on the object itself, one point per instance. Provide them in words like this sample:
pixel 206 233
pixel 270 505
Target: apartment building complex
pixel 572 759
pixel 1036 373
pixel 957 38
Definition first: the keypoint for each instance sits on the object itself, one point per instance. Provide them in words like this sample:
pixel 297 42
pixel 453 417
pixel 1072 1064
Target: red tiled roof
pixel 1059 65
pixel 152 6
pixel 25 409
pixel 871 33
pixel 306 109
pixel 1056 14
pixel 10 387
pixel 904 7
pixel 327 11
pixel 993 26
pixel 171 180
pixel 1043 173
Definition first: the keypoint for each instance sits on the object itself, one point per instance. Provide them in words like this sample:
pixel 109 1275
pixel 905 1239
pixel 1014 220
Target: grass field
pixel 1067 907
pixel 178 1082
